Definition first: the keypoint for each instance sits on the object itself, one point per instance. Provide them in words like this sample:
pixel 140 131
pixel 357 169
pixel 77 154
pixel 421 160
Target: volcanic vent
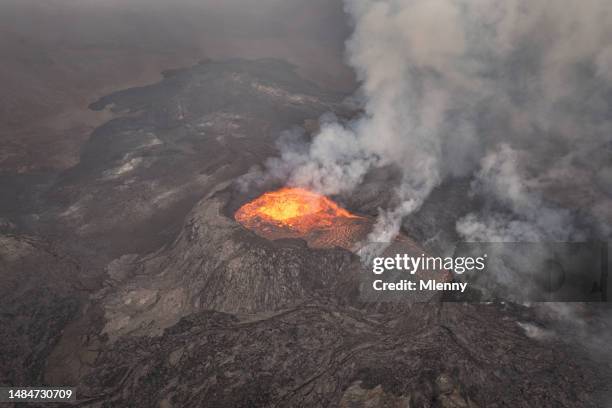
pixel 300 213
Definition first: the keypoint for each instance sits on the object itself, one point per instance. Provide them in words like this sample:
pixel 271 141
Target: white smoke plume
pixel 514 93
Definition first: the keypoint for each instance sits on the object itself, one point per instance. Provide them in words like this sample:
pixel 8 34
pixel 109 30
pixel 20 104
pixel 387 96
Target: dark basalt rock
pixel 313 355
pixel 140 174
pixel 41 290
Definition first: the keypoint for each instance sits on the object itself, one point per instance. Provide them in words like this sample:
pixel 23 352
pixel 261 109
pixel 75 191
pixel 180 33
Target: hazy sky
pixel 57 56
pixel 211 27
pixel 514 94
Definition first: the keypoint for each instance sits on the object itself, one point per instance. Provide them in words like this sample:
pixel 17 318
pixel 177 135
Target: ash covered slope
pixel 215 264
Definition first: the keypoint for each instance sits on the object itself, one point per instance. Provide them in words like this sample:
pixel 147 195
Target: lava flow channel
pixel 300 213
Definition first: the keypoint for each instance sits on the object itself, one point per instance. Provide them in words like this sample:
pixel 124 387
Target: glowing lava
pixel 303 214
pixel 293 209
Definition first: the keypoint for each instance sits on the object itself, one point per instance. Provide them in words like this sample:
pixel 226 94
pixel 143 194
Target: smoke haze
pixel 514 94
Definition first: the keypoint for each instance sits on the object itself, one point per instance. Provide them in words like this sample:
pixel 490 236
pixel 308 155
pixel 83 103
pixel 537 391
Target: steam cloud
pixel 515 94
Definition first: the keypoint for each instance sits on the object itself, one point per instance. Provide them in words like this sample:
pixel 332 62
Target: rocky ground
pixel 127 277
